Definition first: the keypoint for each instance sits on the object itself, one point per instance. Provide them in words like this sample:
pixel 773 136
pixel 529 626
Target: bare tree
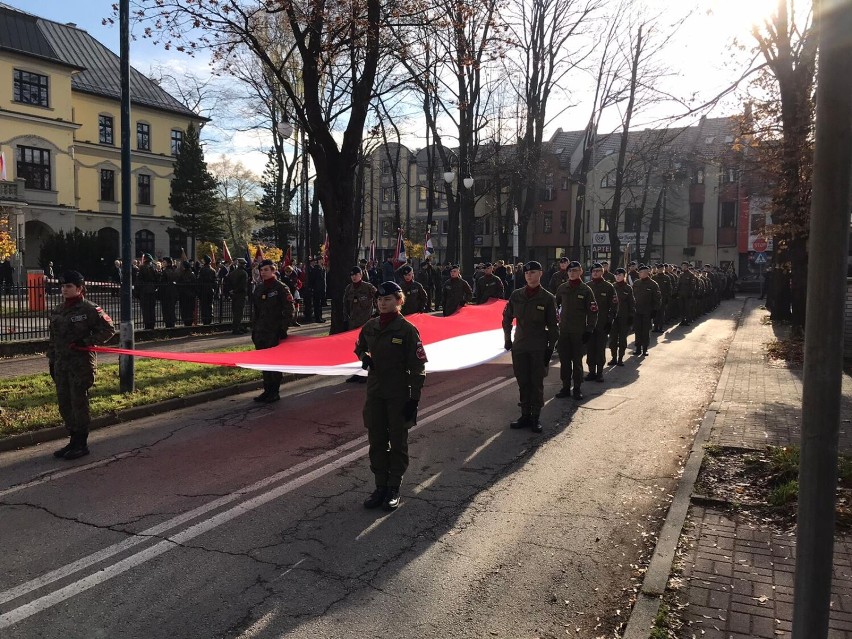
pixel 237 189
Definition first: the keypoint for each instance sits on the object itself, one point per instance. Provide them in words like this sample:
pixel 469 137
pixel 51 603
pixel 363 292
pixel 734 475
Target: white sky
pixel 701 58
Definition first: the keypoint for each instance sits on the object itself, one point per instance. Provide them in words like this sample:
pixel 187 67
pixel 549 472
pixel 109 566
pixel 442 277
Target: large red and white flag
pixel 471 336
pixel 399 257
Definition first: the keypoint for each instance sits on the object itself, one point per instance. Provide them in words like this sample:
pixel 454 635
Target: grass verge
pixel 29 402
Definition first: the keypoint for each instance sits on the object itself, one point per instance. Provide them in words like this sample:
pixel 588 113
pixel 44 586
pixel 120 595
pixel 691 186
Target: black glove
pixel 508 344
pixel 366 362
pixel 608 327
pixel 409 411
pixel 547 355
pixel 282 334
pixel 51 368
pixel 587 336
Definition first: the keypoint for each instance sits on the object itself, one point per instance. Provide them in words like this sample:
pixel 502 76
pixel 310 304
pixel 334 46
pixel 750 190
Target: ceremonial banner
pixel 428 249
pixel 467 338
pixel 226 254
pixel 399 257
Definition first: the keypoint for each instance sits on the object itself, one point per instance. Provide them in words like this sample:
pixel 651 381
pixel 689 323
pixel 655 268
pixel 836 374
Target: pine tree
pixel 273 208
pixel 193 195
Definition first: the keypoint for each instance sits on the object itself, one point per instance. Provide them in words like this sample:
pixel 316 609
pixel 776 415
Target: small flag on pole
pixel 325 250
pixel 399 257
pixel 428 249
pixel 258 254
pixel 226 255
pixel 183 257
pixel 288 257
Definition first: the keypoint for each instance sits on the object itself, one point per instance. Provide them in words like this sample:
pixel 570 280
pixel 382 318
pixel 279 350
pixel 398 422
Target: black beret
pixel 147 256
pixel 574 264
pixel 642 267
pixel 564 259
pixel 454 267
pixel 356 270
pixel 72 277
pixel 186 265
pixel 632 263
pixel 388 288
pixel 597 265
pixel 265 263
pixel 488 265
pixel 620 271
pixel 405 270
pixel 532 266
pixel 167 259
pixel 604 262
pixel 207 259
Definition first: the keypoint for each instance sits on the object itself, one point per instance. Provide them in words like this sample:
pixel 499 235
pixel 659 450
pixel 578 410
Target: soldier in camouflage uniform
pixel 623 320
pixel 577 318
pixel 416 297
pixel 390 348
pixel 488 285
pixel 607 310
pixel 686 293
pixel 358 299
pixel 168 292
pixel 533 309
pixel 273 312
pixel 456 291
pixel 75 325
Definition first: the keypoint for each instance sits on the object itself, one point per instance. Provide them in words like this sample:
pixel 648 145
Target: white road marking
pixel 419 488
pixel 50 476
pixel 47 601
pixel 484 445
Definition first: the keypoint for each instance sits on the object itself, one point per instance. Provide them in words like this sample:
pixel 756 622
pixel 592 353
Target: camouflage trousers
pixel 72 392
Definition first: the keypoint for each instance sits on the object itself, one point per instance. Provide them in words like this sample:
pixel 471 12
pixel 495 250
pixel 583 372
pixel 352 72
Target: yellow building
pixel 60 137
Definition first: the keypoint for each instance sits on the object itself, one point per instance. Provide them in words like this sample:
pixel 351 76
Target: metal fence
pixel 25 310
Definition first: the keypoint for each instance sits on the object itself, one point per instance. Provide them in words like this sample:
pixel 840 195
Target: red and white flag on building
pixel 325 248
pixel 3 167
pixel 428 249
pixel 399 257
pixel 373 251
pixel 226 254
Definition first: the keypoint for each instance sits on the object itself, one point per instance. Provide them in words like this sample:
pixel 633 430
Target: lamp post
pixel 515 237
pixel 453 221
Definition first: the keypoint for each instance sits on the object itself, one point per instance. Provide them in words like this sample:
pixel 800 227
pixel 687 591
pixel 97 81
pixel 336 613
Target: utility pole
pixel 126 377
pixel 823 369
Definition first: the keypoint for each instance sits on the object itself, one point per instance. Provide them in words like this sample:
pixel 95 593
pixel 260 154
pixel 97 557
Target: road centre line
pixel 200 528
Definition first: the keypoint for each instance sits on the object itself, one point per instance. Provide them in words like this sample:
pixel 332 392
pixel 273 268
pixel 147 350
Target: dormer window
pixel 30 88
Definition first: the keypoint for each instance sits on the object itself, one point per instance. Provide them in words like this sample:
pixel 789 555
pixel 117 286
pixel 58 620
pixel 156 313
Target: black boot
pixel 577 394
pixel 614 359
pixel 591 376
pixel 61 452
pixel 535 424
pixel 377 498
pixel 620 361
pixel 262 397
pixel 565 391
pixel 78 447
pixel 391 501
pixel 523 421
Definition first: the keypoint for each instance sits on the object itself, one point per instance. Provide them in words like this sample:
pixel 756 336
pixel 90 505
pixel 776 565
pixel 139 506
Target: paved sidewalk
pixel 737 574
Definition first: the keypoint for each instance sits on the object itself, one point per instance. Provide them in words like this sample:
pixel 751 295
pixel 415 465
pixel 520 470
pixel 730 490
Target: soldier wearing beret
pixel 456 292
pixel 686 293
pixel 607 310
pixel 646 293
pixel 416 297
pixel 390 349
pixel 577 319
pixel 187 285
pixel 358 299
pixel 75 325
pixel 607 275
pixel 533 309
pixel 665 285
pixel 559 277
pixel 623 319
pixel 273 312
pixel 488 285
pixel 168 292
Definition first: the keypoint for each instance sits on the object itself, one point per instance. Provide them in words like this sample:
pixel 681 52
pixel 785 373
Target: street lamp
pixel 285 129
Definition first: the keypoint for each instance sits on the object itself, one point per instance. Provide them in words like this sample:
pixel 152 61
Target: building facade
pixel 60 136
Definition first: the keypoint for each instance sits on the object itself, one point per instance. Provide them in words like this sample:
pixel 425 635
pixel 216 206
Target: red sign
pixel 759 244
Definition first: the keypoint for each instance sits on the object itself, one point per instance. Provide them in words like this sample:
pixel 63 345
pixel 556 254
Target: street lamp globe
pixel 285 129
pixel 468 182
pixel 449 176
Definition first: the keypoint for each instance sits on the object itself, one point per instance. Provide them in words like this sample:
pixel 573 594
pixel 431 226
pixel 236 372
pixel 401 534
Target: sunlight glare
pixel 742 13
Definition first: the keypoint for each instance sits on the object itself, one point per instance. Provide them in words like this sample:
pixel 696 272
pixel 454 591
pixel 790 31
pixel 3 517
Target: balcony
pixel 727 236
pixel 12 191
pixel 694 236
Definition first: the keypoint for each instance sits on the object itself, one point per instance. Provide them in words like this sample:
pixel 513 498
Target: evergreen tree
pixel 193 196
pixel 274 206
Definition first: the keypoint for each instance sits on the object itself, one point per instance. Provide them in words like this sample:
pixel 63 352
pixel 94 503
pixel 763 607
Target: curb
pixel 659 569
pixel 23 440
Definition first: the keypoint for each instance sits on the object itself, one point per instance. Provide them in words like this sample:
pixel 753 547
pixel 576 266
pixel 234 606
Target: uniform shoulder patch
pixel 593 307
pixel 421 352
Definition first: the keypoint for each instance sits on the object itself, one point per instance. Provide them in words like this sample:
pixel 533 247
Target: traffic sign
pixel 760 258
pixel 760 245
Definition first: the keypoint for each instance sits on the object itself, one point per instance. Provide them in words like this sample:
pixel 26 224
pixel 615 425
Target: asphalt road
pixel 232 519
